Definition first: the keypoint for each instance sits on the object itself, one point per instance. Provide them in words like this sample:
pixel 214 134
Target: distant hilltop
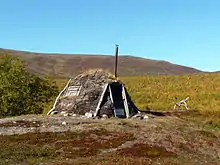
pixel 68 65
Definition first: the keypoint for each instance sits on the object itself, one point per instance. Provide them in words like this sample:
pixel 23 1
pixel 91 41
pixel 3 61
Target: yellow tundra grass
pixel 162 92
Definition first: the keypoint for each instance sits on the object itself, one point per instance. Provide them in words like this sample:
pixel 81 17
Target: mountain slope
pixel 61 65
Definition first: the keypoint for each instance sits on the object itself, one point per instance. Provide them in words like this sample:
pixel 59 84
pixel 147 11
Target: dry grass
pixel 162 92
pixel 98 71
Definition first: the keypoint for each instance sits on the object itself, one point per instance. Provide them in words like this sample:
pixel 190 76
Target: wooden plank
pixel 100 100
pixel 125 102
pixel 54 105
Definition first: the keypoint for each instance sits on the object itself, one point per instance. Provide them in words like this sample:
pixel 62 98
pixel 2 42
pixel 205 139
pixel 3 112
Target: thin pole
pixel 116 61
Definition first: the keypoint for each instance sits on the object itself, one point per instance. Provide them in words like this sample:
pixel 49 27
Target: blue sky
pixel 185 32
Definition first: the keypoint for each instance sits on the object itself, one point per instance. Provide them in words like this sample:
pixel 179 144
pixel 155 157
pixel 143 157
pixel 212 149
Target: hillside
pixel 63 65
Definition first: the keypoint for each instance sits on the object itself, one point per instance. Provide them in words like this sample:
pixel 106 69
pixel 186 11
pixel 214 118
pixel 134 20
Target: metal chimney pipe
pixel 116 61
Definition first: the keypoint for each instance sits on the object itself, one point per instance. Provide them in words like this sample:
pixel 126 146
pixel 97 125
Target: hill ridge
pixel 68 65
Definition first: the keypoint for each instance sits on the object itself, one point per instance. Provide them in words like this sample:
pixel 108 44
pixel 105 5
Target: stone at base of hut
pixel 64 123
pixel 137 117
pixel 140 117
pixel 89 114
pixel 74 115
pixel 104 116
pixel 146 117
pixel 64 113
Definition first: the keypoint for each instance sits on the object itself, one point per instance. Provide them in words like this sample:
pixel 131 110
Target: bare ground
pixel 48 140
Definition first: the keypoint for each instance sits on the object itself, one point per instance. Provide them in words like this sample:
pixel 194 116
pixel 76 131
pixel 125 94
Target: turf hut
pixel 97 92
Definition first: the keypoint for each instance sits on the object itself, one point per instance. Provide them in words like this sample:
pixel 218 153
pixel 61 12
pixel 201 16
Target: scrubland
pixel 175 138
pixel 160 93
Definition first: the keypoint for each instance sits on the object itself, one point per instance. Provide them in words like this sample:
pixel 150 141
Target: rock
pixel 74 115
pixel 104 116
pixel 137 117
pixel 64 123
pixel 89 114
pixel 62 112
pixel 146 117
pixel 66 114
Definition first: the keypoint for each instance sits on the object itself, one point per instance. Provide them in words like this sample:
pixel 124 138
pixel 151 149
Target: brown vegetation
pixel 159 140
pixel 60 65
